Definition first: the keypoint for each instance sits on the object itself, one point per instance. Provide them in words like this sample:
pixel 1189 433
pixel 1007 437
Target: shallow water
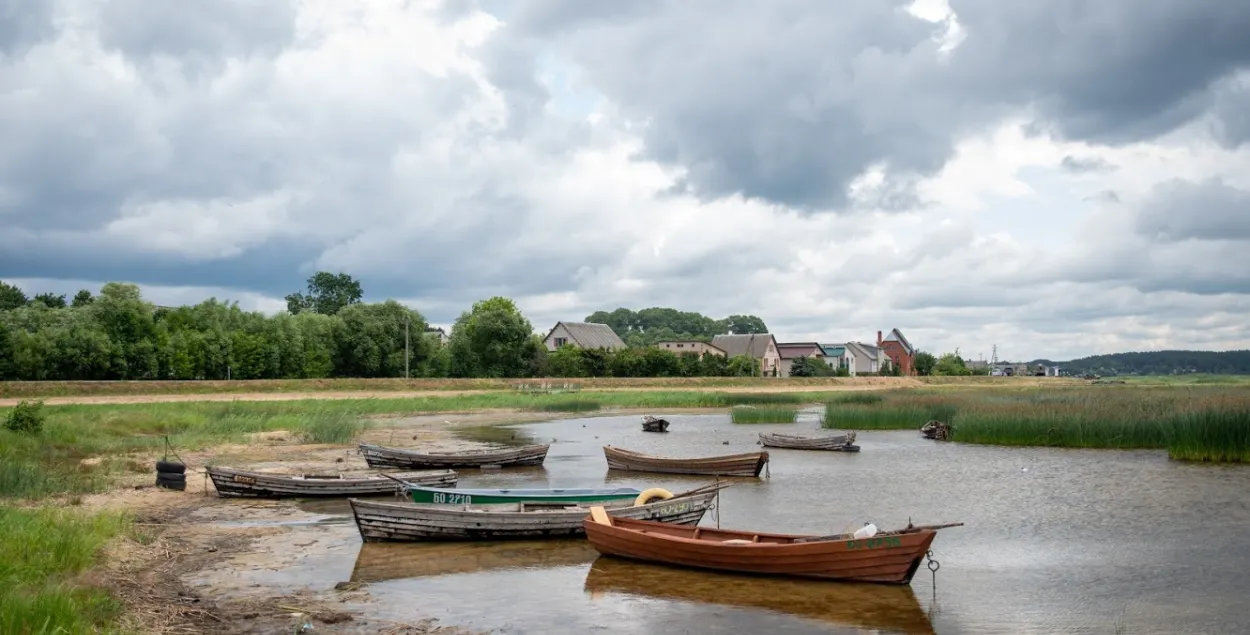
pixel 1055 541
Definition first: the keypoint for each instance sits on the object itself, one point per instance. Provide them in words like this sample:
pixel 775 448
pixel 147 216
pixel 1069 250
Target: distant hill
pixel 1159 363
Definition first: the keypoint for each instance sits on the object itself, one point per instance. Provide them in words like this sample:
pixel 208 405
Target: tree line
pixel 327 331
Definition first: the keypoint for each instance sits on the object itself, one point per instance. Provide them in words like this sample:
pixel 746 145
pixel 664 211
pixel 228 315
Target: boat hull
pixel 379 456
pixel 436 496
pixel 886 559
pixel 406 522
pixel 230 482
pixel 833 443
pixel 748 464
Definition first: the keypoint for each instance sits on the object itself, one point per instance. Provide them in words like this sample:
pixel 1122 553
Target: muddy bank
pixel 198 563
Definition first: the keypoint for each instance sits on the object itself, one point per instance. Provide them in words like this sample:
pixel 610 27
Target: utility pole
pixel 407 319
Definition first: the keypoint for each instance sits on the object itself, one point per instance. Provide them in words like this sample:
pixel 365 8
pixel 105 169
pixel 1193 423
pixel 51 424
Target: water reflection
pixel 893 609
pixel 377 562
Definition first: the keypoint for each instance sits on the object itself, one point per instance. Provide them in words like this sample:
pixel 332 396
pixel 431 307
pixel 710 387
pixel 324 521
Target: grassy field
pixel 29 389
pixel 1197 423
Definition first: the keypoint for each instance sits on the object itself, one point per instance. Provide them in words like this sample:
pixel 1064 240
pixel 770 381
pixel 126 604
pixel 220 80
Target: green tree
pixel 327 294
pixel 128 321
pixel 6 353
pixel 811 367
pixel 744 325
pixel 924 363
pixel 951 364
pixel 11 297
pixel 51 300
pixel 565 361
pixel 81 299
pixel 370 340
pixel 493 339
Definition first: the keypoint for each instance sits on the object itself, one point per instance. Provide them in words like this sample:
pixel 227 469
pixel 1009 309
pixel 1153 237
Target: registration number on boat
pixel 679 508
pixel 454 499
pixel 874 543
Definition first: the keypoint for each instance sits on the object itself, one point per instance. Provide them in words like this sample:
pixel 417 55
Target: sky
pixel 1052 177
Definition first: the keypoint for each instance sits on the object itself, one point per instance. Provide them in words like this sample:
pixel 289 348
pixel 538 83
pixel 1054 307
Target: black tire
pixel 170 467
pixel 165 478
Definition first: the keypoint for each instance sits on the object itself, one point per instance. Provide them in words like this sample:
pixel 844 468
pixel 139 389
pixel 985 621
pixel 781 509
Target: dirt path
pixel 391 394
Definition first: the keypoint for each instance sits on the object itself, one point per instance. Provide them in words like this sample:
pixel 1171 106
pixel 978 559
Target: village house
pixel 861 358
pixel 583 335
pixel 677 347
pixel 437 334
pixel 898 351
pixel 790 351
pixel 761 347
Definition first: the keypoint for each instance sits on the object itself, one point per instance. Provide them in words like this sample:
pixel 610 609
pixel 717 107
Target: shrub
pixel 26 417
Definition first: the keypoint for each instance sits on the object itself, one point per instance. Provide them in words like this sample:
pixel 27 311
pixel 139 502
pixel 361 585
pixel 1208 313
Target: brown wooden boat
pixel 229 481
pixel 379 456
pixel 747 464
pixel 890 557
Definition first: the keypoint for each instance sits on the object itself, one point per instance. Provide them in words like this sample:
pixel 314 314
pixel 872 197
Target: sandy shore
pixel 189 571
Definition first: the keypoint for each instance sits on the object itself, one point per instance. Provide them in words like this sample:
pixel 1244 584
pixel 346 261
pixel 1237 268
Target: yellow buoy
pixel 654 492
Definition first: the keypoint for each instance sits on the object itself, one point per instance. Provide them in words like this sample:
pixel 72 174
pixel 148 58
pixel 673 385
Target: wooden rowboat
pixel 652 424
pixel 378 456
pixel 231 482
pixel 407 522
pixel 747 464
pixel 835 442
pixel 428 495
pixel 890 557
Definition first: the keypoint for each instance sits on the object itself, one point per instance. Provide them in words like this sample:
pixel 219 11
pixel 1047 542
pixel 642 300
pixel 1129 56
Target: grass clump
pixel 42 551
pixel 893 410
pixel 764 414
pixel 336 428
pixel 861 398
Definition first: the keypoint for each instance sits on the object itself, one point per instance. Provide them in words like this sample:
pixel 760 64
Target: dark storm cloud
pixel 786 103
pixel 1232 114
pixel 272 270
pixel 789 102
pixel 1182 210
pixel 1109 71
pixel 24 23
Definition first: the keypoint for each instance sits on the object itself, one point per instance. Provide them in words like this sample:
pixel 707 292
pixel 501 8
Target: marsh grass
pixel 764 414
pixel 42 551
pixel 1194 423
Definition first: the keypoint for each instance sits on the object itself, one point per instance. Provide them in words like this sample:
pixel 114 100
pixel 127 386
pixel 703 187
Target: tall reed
pixel 764 414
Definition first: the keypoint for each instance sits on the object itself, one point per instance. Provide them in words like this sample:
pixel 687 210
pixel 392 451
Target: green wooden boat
pixel 421 494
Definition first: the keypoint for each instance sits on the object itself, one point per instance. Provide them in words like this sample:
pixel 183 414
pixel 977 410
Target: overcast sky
pixel 1057 177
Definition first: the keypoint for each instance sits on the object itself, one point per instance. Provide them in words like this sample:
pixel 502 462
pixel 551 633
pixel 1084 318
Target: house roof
pixel 897 336
pixel 590 335
pixel 734 345
pixel 833 350
pixel 791 350
pixel 860 348
pixel 688 342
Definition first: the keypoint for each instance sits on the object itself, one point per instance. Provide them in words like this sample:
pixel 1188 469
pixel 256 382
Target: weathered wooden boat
pixel 407 522
pixel 935 429
pixel 428 495
pixel 833 442
pixel 231 482
pixel 654 424
pixel 747 464
pixel 871 608
pixel 379 456
pixel 890 557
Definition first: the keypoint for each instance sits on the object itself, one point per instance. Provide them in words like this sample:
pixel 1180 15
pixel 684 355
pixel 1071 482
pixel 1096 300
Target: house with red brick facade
pixel 898 350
